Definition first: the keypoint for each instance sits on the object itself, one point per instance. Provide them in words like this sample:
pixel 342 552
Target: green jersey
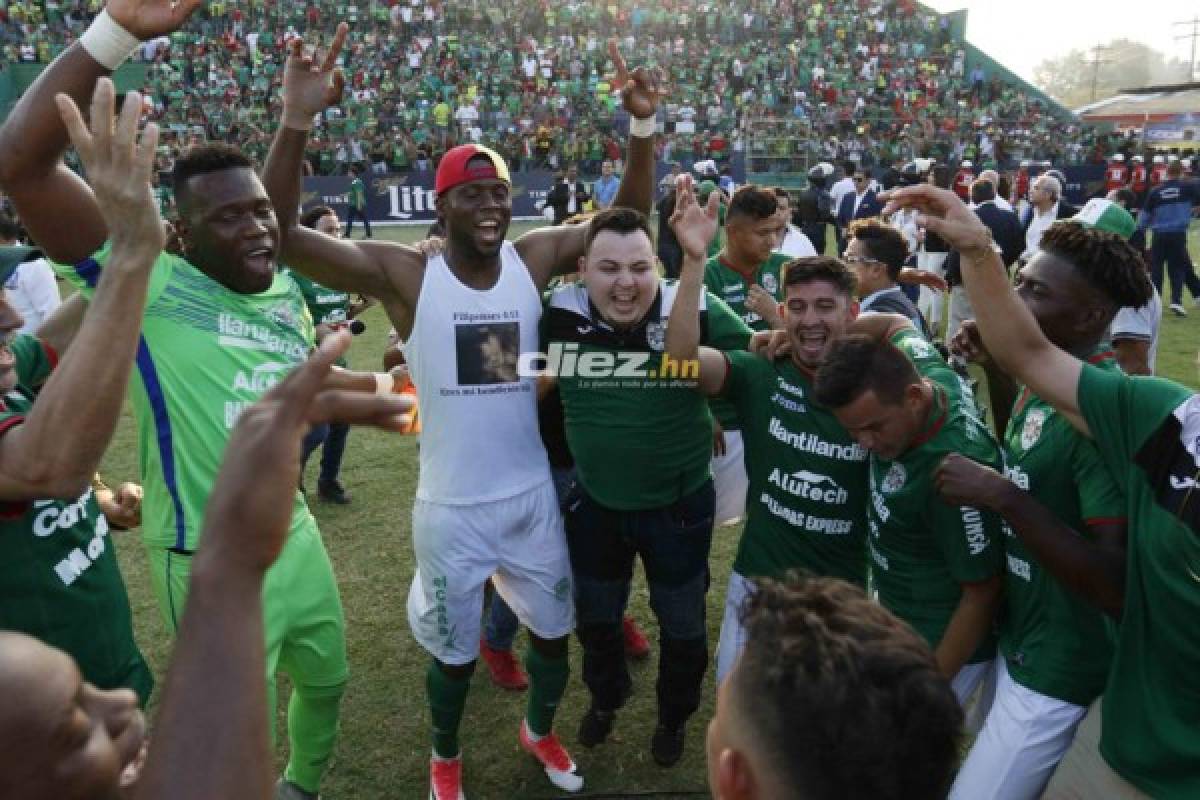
pixel 732 286
pixel 1151 705
pixel 806 503
pixel 59 579
pixel 358 194
pixel 1054 642
pixel 641 436
pixel 326 306
pixel 923 549
pixel 206 353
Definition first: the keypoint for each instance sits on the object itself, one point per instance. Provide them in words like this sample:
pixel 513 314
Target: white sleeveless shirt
pixel 479 427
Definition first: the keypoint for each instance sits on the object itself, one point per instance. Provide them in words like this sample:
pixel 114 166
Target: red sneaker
pixel 445 779
pixel 636 645
pixel 560 769
pixel 503 667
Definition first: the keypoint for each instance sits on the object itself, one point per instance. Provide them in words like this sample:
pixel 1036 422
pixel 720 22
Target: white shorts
pixel 730 481
pixel 1022 741
pixel 733 633
pixel 518 541
pixel 970 677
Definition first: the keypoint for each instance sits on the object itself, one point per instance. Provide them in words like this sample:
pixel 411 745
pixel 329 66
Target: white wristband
pixel 643 127
pixel 107 42
pixel 385 382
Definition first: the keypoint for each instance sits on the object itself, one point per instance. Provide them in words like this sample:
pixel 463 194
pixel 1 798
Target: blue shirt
pixel 605 190
pixel 1168 209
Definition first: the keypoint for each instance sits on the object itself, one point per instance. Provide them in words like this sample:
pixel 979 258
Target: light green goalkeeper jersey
pixel 205 354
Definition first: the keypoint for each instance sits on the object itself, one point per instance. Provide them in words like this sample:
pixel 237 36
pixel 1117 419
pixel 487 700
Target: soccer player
pixel 330 309
pixel 59 578
pixel 642 452
pixel 936 566
pixel 220 327
pixel 833 697
pixel 1054 641
pixel 745 274
pixel 1145 431
pixel 485 499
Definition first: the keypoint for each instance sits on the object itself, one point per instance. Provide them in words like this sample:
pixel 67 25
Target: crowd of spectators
pixel 789 82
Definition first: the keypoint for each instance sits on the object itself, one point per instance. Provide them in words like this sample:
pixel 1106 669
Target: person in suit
pixel 1046 206
pixel 859 204
pixel 568 195
pixel 1006 233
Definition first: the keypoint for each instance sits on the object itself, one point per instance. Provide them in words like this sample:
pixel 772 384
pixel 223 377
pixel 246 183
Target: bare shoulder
pixel 553 250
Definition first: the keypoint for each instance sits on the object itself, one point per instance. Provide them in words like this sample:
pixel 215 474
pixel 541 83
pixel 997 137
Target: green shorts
pixel 302 610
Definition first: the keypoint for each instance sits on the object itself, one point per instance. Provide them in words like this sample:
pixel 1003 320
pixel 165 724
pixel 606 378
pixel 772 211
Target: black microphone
pixel 357 326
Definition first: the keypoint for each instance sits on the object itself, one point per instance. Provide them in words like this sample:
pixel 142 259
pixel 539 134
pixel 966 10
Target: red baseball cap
pixel 454 170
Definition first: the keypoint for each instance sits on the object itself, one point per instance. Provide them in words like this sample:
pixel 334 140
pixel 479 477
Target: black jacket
pixel 560 195
pixel 1006 231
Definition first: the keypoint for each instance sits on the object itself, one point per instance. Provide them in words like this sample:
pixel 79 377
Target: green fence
pixel 16 78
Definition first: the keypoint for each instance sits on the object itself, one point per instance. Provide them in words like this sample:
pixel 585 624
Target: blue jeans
pixel 674 543
pixel 500 627
pixel 334 438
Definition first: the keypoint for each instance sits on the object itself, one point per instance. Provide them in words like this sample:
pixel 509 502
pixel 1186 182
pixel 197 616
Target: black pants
pixel 351 213
pixel 1171 249
pixel 674 544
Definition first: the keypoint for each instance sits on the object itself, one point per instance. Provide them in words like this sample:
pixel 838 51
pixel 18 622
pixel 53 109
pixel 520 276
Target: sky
pixel 1020 34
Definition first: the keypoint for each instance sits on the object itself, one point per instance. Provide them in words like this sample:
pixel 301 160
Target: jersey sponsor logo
pixel 788 404
pixel 55 516
pixel 1018 476
pixel 809 485
pixel 770 283
pixel 234 332
pixel 811 443
pixel 918 347
pixel 260 379
pixel 977 540
pixel 895 479
pixel 790 388
pixel 1019 567
pixel 332 299
pixel 806 522
pixel 1031 431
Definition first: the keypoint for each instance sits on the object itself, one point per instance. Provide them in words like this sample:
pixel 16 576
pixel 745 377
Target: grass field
pixel 383 749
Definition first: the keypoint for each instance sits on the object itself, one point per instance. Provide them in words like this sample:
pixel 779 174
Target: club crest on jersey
pixel 894 480
pixel 770 283
pixel 284 316
pixel 656 336
pixel 919 348
pixel 1035 420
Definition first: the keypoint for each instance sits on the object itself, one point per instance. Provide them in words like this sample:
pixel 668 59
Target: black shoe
pixel 667 745
pixel 595 727
pixel 332 492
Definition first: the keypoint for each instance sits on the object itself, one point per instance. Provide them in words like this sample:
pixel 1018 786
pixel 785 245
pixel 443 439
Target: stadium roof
pixel 1136 107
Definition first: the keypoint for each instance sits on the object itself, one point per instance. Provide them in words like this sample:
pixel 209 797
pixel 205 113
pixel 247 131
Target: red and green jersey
pixel 732 286
pixel 205 354
pixel 806 504
pixel 1151 701
pixel 59 579
pixel 923 549
pixel 1055 643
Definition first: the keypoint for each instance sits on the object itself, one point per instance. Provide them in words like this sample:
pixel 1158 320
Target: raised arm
pixel 58 447
pixel 556 250
pixel 211 735
pixel 33 139
pixel 384 270
pixel 1008 328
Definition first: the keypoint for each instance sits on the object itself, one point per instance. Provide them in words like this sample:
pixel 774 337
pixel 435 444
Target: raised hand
pixel 694 225
pixel 968 344
pixel 760 301
pixel 147 19
pixel 942 212
pixel 640 90
pixel 923 277
pixel 312 84
pixel 118 167
pixel 250 507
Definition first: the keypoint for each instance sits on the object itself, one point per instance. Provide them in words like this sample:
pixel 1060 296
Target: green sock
pixel 312 731
pixel 547 682
pixel 447 699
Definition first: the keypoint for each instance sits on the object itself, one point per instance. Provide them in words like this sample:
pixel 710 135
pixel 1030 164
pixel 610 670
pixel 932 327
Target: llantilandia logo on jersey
pixel 610 370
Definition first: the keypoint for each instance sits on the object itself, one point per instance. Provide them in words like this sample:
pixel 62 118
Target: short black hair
pixel 309 218
pixel 1126 199
pixel 1104 260
pixel 617 220
pixel 799 271
pixel 883 242
pixel 752 201
pixel 782 193
pixel 843 698
pixel 982 191
pixel 9 227
pixel 202 160
pixel 857 364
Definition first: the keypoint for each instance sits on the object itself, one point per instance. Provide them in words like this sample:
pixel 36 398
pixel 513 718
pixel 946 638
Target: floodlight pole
pixel 1194 35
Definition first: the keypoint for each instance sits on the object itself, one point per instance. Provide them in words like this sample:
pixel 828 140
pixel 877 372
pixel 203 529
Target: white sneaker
pixel 1178 310
pixel 560 769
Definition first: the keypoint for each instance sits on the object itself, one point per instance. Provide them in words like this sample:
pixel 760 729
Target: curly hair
pixel 1104 260
pixel 202 160
pixel 845 699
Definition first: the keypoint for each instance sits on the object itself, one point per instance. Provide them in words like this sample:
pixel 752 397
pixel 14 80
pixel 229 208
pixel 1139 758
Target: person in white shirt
pixel 845 185
pixel 994 178
pixel 792 241
pixel 32 291
pixel 1043 200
